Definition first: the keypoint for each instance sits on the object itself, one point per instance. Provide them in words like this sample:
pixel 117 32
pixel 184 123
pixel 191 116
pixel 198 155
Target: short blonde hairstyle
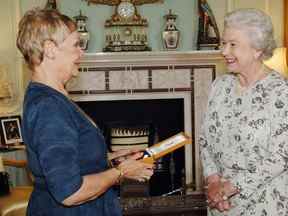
pixel 36 27
pixel 257 25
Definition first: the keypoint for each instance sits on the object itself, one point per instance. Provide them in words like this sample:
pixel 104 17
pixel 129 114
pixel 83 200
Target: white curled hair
pixel 257 25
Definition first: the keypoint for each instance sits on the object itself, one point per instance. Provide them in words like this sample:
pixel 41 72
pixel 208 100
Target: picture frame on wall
pixel 11 131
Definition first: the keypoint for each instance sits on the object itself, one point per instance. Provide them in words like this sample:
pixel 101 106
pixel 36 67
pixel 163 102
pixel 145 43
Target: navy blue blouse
pixel 62 146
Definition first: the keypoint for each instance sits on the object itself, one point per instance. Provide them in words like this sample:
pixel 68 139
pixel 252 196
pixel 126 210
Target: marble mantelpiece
pixel 153 75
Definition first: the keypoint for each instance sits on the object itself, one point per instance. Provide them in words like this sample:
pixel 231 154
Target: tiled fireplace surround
pixel 153 75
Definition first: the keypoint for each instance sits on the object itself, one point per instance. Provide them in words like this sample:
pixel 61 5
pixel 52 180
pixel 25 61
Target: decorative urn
pixel 81 22
pixel 171 34
pixel 51 5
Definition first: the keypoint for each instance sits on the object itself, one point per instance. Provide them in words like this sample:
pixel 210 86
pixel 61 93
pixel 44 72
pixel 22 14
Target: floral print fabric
pixel 245 138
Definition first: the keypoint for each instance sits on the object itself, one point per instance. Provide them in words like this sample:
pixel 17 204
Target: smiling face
pixel 239 55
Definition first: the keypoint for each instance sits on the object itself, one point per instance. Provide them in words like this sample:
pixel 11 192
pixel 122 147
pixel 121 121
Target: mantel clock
pixel 126 30
pixel 126 9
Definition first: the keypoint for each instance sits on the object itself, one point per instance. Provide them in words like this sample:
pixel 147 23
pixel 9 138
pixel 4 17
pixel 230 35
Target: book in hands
pixel 165 147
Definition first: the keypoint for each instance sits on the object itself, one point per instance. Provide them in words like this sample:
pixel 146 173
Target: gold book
pixel 165 147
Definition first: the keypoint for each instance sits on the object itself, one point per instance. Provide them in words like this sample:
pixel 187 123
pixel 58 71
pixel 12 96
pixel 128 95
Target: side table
pixel 17 176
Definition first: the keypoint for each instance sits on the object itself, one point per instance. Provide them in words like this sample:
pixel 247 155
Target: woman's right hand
pixel 219 191
pixel 136 169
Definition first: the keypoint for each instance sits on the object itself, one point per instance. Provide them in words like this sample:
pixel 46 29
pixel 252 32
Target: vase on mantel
pixel 51 5
pixel 81 22
pixel 171 34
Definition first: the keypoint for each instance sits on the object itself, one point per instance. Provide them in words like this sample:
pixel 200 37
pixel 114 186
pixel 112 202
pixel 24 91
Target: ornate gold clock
pixel 126 30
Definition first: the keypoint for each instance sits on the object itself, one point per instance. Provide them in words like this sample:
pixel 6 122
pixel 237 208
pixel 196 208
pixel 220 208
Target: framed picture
pixel 11 131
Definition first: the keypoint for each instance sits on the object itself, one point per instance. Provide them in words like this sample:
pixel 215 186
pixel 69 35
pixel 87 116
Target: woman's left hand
pixel 123 154
pixel 219 192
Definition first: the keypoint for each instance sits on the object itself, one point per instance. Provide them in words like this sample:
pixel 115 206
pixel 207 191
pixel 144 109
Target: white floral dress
pixel 245 138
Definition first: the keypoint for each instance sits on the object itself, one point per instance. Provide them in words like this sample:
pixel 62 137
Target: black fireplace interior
pixel 167 118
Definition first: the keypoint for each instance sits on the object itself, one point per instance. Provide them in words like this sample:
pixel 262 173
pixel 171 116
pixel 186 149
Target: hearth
pixel 193 204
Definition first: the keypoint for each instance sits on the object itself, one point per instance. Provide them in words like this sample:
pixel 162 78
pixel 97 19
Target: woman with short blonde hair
pixel 66 151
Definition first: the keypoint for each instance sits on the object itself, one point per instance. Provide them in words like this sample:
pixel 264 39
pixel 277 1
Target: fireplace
pixel 165 117
pixel 117 82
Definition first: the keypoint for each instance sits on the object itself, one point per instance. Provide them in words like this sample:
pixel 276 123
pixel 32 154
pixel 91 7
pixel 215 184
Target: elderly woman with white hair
pixel 244 139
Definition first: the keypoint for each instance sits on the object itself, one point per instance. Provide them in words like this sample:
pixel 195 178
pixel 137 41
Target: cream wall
pixel 272 7
pixel 11 10
pixel 10 60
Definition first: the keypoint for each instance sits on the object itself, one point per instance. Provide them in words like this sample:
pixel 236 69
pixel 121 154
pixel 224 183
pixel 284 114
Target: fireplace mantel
pixel 152 58
pixel 153 75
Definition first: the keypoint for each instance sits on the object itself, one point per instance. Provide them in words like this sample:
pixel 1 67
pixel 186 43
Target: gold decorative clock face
pixel 126 9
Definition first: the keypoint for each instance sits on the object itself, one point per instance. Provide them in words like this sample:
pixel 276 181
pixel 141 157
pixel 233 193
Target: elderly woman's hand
pixel 136 169
pixel 219 190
